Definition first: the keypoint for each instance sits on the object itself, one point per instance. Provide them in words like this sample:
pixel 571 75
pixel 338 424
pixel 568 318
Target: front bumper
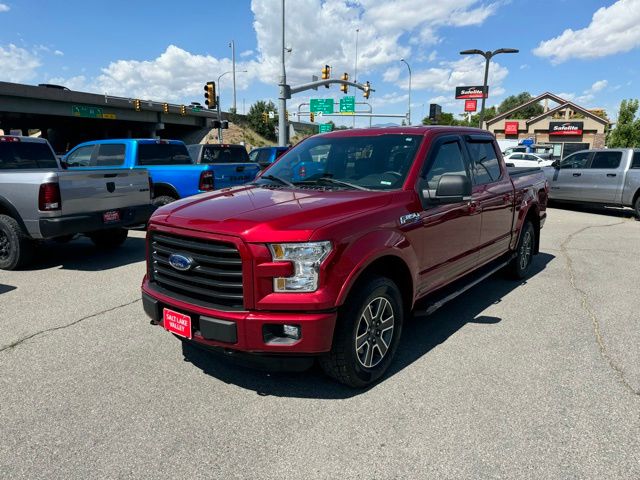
pixel 92 222
pixel 244 331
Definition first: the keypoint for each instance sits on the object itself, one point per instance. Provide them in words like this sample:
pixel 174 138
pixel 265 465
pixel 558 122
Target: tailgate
pixel 233 174
pixel 85 191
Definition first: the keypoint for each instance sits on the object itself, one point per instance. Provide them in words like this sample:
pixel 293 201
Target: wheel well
pixel 395 269
pixel 8 210
pixel 162 189
pixel 533 215
pixel 635 197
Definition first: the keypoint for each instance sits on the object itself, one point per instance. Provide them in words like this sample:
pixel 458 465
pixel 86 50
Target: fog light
pixel 291 331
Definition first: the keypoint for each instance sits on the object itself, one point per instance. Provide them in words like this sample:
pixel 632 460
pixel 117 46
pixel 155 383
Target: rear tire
pixel 109 239
pixel 636 207
pixel 371 318
pixel 16 248
pixel 163 200
pixel 520 265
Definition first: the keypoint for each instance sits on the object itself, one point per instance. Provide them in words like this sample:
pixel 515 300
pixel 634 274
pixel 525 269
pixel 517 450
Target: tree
pixel 256 119
pixel 514 101
pixel 627 130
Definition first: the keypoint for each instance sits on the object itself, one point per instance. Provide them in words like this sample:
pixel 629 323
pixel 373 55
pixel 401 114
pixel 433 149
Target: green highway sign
pixel 85 111
pixel 348 104
pixel 321 105
pixel 326 127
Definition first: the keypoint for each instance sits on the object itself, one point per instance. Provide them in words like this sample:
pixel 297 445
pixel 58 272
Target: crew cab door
pixel 566 182
pixel 602 181
pixel 450 232
pixel 493 196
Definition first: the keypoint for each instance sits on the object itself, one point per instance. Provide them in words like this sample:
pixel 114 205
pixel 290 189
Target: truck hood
pixel 259 214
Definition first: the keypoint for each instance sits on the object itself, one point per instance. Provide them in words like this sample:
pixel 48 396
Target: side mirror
pixel 556 164
pixel 451 188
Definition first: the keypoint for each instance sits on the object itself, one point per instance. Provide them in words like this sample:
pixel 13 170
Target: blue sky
pixel 585 50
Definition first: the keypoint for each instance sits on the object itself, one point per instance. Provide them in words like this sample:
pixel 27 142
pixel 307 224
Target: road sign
pixel 325 127
pixel 348 104
pixel 272 114
pixel 85 111
pixel 321 105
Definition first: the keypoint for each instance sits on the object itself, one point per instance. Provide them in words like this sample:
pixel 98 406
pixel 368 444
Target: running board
pixel 447 298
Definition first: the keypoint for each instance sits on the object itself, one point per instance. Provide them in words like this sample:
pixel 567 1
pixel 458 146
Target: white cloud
pixel 432 56
pixel 613 29
pixel 17 64
pixel 4 7
pixel 246 53
pixel 58 53
pixel 587 95
pixel 73 83
pixel 599 85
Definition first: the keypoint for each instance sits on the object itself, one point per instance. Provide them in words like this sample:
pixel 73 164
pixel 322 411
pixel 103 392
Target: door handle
pixel 577 174
pixel 611 174
pixel 474 208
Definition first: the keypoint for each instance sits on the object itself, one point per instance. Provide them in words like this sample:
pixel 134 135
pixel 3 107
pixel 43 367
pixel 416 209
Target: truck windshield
pixel 224 154
pixel 163 154
pixel 24 155
pixel 377 162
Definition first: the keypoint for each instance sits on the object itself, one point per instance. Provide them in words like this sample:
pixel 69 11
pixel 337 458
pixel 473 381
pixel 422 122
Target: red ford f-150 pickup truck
pixel 330 265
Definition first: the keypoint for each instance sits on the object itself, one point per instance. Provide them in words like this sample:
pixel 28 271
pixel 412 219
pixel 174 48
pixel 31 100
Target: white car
pixel 526 160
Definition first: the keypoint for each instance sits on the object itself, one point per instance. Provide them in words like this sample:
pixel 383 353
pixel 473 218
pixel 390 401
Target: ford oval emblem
pixel 180 262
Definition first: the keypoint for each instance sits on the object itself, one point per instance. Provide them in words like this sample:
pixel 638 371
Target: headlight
pixel 306 259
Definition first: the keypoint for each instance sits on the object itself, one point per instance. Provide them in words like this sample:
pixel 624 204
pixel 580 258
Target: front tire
pixel 520 265
pixel 163 200
pixel 109 239
pixel 367 334
pixel 16 248
pixel 636 207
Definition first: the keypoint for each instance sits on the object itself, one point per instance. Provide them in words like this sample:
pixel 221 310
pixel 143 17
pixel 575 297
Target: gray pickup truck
pixel 608 177
pixel 41 200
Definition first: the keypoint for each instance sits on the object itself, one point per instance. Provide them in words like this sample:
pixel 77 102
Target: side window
pixel 577 160
pixel 253 156
pixel 81 157
pixel 264 156
pixel 110 155
pixel 448 160
pixel 636 159
pixel 485 164
pixel 606 160
pixel 516 156
pixel 532 158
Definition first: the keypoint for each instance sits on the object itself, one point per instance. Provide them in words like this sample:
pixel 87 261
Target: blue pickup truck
pixel 171 168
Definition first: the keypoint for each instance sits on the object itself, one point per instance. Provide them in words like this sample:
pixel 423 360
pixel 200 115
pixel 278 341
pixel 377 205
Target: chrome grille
pixel 214 280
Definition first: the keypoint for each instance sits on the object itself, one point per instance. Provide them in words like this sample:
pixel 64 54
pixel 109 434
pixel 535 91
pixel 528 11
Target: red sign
pixel 472 92
pixel 177 323
pixel 511 128
pixel 470 105
pixel 565 128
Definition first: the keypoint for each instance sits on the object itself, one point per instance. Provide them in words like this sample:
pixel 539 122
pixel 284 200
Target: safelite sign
pixel 470 105
pixel 471 92
pixel 565 128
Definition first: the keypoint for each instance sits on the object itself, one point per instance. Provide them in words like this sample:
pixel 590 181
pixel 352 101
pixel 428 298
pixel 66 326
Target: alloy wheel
pixel 374 332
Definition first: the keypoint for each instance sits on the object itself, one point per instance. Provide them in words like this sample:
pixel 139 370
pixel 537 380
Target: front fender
pixel 373 246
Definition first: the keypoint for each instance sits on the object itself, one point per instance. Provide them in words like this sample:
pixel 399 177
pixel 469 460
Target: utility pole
pixel 283 132
pixel 233 69
pixel 355 69
pixel 409 110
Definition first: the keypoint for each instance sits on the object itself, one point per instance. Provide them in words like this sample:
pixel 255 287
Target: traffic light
pixel 344 87
pixel 312 117
pixel 137 104
pixel 165 108
pixel 265 117
pixel 183 110
pixel 210 95
pixel 286 115
pixel 367 90
pixel 326 72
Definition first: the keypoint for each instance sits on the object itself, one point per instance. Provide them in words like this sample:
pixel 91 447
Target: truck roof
pixel 406 130
pixel 18 138
pixel 134 140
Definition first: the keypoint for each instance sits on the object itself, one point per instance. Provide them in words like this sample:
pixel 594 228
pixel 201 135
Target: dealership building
pixel 566 127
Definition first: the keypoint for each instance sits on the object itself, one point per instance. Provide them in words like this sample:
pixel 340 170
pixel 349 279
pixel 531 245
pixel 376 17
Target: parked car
pixel 608 177
pixel 40 200
pixel 265 156
pixel 330 266
pixel 232 164
pixel 526 160
pixel 170 167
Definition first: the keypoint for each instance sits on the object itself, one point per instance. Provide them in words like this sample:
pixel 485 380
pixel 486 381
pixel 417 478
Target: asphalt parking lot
pixel 533 380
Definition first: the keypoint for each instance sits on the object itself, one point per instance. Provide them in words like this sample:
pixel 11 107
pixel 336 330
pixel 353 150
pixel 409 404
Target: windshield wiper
pixel 340 182
pixel 279 180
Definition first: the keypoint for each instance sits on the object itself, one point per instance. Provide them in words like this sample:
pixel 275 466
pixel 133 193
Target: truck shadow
pixel 81 254
pixel 609 212
pixel 6 288
pixel 420 336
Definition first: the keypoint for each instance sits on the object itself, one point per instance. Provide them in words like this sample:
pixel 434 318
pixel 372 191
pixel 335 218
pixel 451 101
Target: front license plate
pixel 176 322
pixel 111 216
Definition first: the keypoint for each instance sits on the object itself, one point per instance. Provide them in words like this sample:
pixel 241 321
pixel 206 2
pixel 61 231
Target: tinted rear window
pixel 110 155
pixel 636 160
pixel 229 154
pixel 606 160
pixel 163 154
pixel 24 155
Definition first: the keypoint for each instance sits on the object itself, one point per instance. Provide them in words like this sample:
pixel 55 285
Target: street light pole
pixel 219 107
pixel 487 57
pixel 355 74
pixel 409 111
pixel 282 122
pixel 232 44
